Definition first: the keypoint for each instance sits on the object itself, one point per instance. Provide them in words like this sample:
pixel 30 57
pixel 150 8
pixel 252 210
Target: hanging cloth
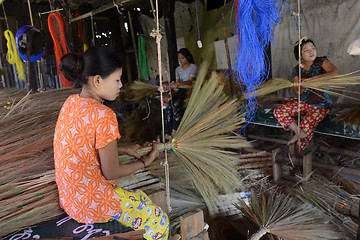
pixel 143 60
pixel 60 48
pixel 13 56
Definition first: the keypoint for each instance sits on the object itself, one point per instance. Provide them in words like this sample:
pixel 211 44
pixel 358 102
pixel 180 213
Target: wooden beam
pixel 337 169
pixel 104 8
pixel 192 224
pixel 227 54
pixel 134 45
pixel 276 166
pixel 266 139
pixel 168 11
pixel 159 199
pixel 307 164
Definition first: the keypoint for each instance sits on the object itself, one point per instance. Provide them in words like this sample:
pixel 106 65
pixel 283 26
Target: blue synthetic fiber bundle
pixel 255 23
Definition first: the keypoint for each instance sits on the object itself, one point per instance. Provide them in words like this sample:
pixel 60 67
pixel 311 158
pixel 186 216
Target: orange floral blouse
pixel 84 125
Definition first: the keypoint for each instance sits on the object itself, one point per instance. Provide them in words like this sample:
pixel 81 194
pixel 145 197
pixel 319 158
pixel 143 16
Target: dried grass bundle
pixel 287 218
pixel 138 90
pixel 331 199
pixel 351 116
pixel 28 190
pixel 206 143
pixel 333 85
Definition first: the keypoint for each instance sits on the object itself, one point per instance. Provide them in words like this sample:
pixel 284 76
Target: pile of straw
pixel 286 218
pixel 331 199
pixel 28 192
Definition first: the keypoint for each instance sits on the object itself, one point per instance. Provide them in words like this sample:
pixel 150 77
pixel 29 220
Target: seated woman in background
pixel 314 104
pixel 185 74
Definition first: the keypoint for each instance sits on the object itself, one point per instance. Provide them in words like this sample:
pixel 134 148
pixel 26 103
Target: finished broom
pixel 206 142
pixel 286 218
pixel 332 84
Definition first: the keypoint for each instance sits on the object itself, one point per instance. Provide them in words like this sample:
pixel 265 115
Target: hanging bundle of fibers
pixel 143 60
pixel 255 23
pixel 13 56
pixel 60 48
pixel 287 218
pixel 205 142
pixel 334 85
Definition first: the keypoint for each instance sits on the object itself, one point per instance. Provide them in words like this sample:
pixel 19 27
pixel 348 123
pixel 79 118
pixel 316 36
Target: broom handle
pixel 259 234
pixel 143 151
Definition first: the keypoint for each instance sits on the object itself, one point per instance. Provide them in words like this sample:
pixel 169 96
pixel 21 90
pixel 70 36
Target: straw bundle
pixel 352 117
pixel 333 85
pixel 138 90
pixel 286 218
pixel 28 191
pixel 331 199
pixel 205 142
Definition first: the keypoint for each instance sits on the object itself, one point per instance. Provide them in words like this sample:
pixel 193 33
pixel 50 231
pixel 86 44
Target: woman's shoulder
pixel 320 60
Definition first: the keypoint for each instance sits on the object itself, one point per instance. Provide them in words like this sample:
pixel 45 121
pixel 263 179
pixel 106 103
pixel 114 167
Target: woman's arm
pixel 330 69
pixel 112 169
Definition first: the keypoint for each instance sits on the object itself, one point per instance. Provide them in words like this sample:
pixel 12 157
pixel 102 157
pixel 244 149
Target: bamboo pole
pixel 31 18
pixel 227 53
pixel 134 44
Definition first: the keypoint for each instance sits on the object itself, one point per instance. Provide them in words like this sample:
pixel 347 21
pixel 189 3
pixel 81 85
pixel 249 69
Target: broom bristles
pixel 323 84
pixel 282 216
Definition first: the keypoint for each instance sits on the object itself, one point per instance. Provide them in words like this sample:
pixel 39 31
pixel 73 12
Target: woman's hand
pixel 130 150
pixel 174 85
pixel 152 155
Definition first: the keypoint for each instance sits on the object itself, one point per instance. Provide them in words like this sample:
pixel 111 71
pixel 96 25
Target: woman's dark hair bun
pixel 71 66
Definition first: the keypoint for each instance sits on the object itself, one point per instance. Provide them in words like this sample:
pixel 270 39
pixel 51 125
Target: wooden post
pixel 159 199
pixel 134 45
pixel 124 43
pixel 192 224
pixel 227 54
pixel 169 9
pixel 276 166
pixel 307 164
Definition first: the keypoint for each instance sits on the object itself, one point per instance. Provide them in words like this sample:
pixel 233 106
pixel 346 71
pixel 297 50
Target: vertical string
pixel 166 164
pixel 299 85
pixel 7 24
pixel 92 30
pixel 31 18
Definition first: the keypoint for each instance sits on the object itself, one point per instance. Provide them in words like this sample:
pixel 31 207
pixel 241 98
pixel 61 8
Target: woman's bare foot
pixel 296 137
pixel 175 237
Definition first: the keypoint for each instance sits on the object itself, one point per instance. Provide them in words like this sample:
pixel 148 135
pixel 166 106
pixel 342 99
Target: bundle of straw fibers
pixel 271 86
pixel 28 191
pixel 332 200
pixel 206 143
pixel 286 218
pixel 333 85
pixel 138 90
pixel 351 116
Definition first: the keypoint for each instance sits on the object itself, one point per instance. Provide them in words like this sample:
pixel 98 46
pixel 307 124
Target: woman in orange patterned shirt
pixel 86 152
